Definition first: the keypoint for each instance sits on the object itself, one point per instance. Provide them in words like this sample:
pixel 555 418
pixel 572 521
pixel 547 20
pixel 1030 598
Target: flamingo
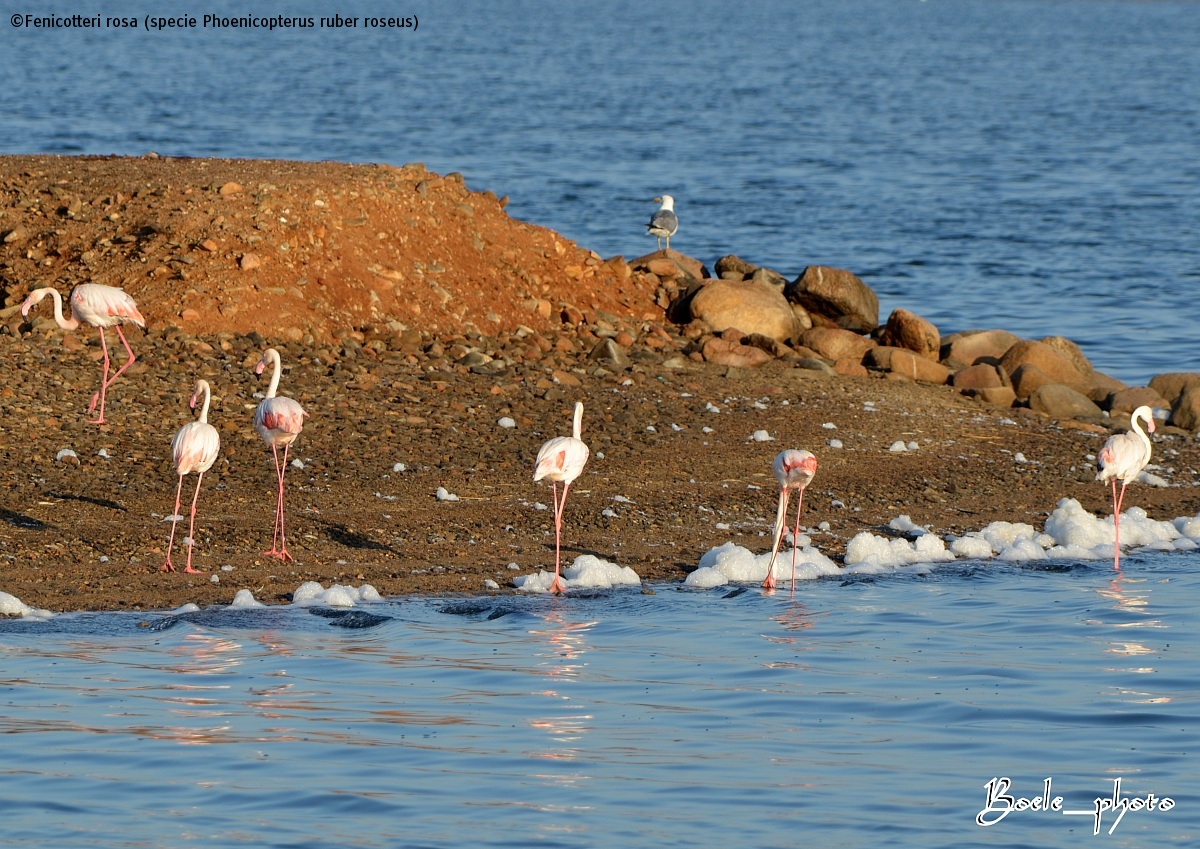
pixel 664 222
pixel 279 421
pixel 562 459
pixel 794 469
pixel 1123 457
pixel 101 307
pixel 194 448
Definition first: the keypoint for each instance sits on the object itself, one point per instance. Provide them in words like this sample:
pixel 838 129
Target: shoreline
pixel 399 409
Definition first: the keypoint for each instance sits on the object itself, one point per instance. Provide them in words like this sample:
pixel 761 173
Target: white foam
pixel 588 571
pixel 731 563
pixel 312 593
pixel 761 436
pixel 876 552
pixel 10 605
pixel 444 494
pixel 245 598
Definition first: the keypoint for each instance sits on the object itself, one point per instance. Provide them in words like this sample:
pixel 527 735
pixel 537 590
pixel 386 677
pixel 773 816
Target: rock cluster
pixel 827 319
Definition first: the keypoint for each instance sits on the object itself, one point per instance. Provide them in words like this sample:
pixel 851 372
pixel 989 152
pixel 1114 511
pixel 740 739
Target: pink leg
pixel 192 527
pixel 99 396
pixel 278 541
pixel 796 533
pixel 168 566
pixel 1117 502
pixel 769 583
pixel 557 586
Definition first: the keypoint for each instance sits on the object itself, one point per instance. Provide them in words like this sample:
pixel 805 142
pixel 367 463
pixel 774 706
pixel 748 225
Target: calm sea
pixel 986 163
pixel 1025 164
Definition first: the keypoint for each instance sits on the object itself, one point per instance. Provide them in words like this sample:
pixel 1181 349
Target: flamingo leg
pixel 1118 500
pixel 796 533
pixel 278 540
pixel 780 529
pixel 557 586
pixel 99 396
pixel 168 566
pixel 192 526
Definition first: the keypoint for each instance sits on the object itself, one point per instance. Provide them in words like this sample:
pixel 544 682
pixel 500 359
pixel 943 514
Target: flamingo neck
pixel 275 367
pixel 66 324
pixel 577 424
pixel 1134 424
pixel 203 389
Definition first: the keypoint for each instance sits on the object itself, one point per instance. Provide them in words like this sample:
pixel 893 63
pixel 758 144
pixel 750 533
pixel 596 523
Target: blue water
pixel 985 163
pixel 863 712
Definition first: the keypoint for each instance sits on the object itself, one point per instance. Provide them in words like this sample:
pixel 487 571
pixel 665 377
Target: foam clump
pixel 731 563
pixel 867 552
pixel 312 593
pixel 10 605
pixel 245 598
pixel 588 571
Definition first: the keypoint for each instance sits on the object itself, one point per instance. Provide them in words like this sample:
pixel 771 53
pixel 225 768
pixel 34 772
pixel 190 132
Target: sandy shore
pixel 398 411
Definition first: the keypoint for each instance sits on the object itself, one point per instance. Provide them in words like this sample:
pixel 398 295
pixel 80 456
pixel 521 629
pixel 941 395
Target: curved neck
pixel 577 425
pixel 272 357
pixel 1133 423
pixel 202 388
pixel 71 323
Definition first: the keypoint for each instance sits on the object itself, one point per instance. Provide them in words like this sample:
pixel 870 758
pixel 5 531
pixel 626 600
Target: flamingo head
pixel 262 364
pixel 35 298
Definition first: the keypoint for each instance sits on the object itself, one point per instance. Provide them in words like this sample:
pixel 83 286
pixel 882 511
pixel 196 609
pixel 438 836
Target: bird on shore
pixel 194 449
pixel 101 307
pixel 562 459
pixel 794 469
pixel 1122 458
pixel 664 222
pixel 279 421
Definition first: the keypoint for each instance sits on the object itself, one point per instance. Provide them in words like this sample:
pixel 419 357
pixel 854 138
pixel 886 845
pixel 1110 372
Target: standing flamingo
pixel 1123 457
pixel 664 222
pixel 101 307
pixel 562 459
pixel 279 421
pixel 194 448
pixel 794 469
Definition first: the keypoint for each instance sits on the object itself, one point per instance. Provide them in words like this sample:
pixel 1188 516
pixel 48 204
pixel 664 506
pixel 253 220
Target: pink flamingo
pixel 194 448
pixel 279 421
pixel 1123 457
pixel 101 307
pixel 794 469
pixel 562 459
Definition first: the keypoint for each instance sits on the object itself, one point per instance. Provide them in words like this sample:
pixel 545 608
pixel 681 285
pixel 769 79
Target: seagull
pixel 663 223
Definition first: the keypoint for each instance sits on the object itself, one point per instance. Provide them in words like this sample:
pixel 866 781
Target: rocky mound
pixel 295 250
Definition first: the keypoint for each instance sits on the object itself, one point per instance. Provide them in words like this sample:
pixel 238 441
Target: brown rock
pixel 1170 385
pixel 1069 350
pixel 980 376
pixel 913 365
pixel 231 188
pixel 1053 364
pixel 208 245
pixel 1125 401
pixel 908 330
pixel 727 352
pixel 749 306
pixel 850 367
pixel 670 264
pixel 837 294
pixel 1101 386
pixel 968 347
pixel 1062 402
pixel 1185 412
pixel 249 262
pixel 732 267
pixel 1028 378
pixel 833 343
pixel 1001 396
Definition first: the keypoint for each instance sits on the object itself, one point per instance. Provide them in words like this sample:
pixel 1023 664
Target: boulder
pixel 1054 365
pixel 1070 351
pixel 1171 384
pixel 670 264
pixel 727 352
pixel 749 306
pixel 1001 396
pixel 911 364
pixel 1063 402
pixel 908 330
pixel 1185 412
pixel 837 294
pixel 1028 378
pixel 730 267
pixel 980 376
pixel 968 347
pixel 833 343
pixel 1102 386
pixel 1125 401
